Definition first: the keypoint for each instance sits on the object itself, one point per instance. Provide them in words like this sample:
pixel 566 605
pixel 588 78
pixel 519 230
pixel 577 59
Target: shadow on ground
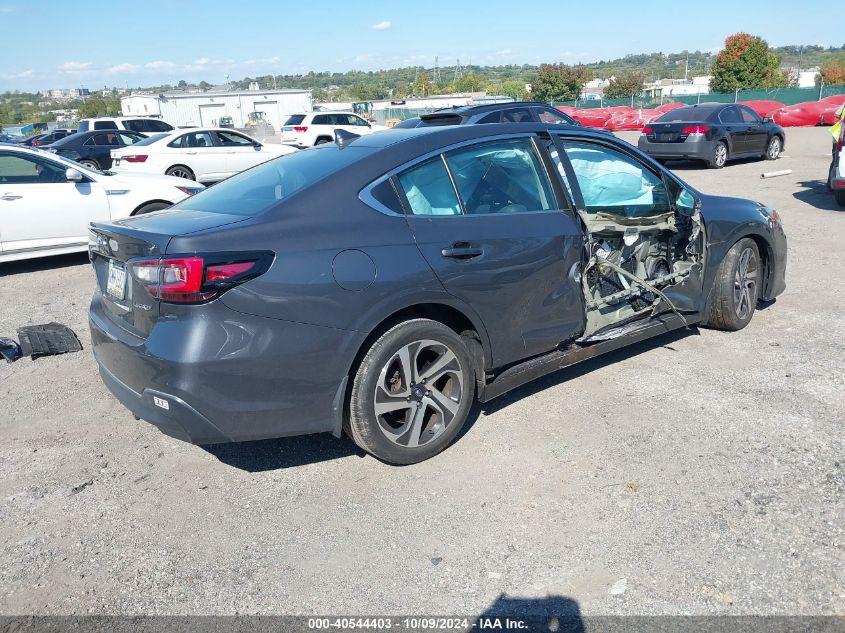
pixel 553 613
pixel 39 264
pixel 287 452
pixel 815 193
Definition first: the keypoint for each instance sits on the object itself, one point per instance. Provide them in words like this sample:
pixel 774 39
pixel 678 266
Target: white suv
pixel 313 128
pixel 146 125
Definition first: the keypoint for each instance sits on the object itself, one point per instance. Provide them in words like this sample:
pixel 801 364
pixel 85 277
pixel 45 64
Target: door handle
pixel 462 250
pixel 10 196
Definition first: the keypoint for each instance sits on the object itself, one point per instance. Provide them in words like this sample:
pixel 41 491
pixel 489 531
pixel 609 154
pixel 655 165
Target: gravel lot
pixel 700 473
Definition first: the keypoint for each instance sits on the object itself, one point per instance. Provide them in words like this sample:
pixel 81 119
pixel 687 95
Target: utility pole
pixel 436 71
pixel 458 73
pixel 686 69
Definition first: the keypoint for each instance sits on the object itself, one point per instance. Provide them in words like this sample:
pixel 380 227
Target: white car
pixel 204 155
pixel 147 125
pixel 313 128
pixel 47 202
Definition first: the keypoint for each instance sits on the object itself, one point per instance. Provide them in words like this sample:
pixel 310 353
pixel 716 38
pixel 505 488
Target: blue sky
pixel 50 43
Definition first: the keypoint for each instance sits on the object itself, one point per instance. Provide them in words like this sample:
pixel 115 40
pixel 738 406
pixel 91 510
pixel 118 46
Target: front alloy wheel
pixel 745 283
pixel 412 392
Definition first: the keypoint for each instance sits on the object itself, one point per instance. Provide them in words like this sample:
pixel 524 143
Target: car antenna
pixel 342 138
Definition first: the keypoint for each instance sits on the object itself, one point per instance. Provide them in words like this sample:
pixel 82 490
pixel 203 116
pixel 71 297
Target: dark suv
pixel 511 112
pixel 380 285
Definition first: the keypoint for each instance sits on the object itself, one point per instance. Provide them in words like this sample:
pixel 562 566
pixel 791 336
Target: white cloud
pixel 265 61
pixel 124 68
pixel 160 65
pixel 75 67
pixel 381 26
pixel 7 9
pixel 24 74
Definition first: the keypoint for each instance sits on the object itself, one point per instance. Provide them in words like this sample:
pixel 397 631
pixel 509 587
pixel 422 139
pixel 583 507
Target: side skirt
pixel 533 368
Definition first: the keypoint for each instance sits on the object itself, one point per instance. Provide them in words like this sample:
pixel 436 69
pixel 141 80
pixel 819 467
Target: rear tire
pixel 91 164
pixel 774 147
pixel 412 392
pixel 322 139
pixel 719 157
pixel 180 171
pixel 150 207
pixel 736 288
pixel 840 197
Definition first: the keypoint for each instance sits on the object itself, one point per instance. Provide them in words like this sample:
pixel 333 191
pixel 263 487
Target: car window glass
pixel 158 126
pixel 83 126
pixel 429 189
pixel 516 115
pixel 729 115
pixel 356 120
pixel 15 169
pixel 253 191
pixel 493 117
pixel 230 139
pixel 749 116
pixel 107 138
pixel 136 125
pixel 551 148
pixel 295 119
pixel 197 139
pixel 128 138
pixel 105 125
pixel 614 183
pixel 321 119
pixel 501 177
pixel 550 116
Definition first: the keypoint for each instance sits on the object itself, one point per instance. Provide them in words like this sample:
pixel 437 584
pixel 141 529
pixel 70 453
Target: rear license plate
pixel 665 136
pixel 116 285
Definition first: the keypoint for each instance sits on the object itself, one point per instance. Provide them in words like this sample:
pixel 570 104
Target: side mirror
pixel 74 175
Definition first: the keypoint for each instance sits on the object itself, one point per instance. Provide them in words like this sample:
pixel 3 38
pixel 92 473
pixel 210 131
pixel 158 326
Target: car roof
pixel 490 107
pixel 449 134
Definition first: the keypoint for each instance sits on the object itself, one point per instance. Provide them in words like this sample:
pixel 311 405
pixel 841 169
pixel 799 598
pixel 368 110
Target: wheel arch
pixel 174 165
pixel 767 254
pixel 146 202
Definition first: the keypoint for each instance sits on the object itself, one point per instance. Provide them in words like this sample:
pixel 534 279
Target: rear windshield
pixel 441 119
pixel 686 114
pixel 296 119
pixel 152 139
pixel 255 190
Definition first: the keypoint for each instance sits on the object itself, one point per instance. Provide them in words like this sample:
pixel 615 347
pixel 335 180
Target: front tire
pixel 774 148
pixel 180 171
pixel 91 164
pixel 412 392
pixel 736 288
pixel 719 157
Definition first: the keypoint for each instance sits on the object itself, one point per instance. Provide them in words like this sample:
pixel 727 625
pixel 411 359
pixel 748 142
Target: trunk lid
pixel 112 245
pixel 671 132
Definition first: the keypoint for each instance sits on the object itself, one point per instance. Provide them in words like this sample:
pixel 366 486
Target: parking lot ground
pixel 699 473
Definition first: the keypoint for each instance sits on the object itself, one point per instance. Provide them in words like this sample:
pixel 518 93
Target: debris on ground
pixel 47 340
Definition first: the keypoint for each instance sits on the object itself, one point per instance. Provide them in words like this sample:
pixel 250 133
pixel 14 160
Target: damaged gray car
pixel 378 286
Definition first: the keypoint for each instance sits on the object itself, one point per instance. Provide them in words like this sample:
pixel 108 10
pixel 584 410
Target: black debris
pixel 10 350
pixel 47 340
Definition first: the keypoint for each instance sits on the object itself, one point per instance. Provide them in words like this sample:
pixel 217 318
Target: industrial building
pixel 181 108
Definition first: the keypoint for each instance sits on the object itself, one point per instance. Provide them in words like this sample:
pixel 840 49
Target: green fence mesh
pixel 787 96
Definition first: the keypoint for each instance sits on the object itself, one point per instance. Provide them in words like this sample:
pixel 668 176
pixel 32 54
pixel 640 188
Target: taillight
pixel 135 158
pixel 648 130
pixel 198 278
pixel 36 142
pixel 695 129
pixel 300 129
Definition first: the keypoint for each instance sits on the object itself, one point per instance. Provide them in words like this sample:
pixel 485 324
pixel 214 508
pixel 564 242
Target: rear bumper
pixel 694 148
pixel 208 374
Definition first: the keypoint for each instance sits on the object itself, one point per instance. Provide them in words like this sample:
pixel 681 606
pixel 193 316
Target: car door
pixel 756 135
pixel 242 152
pixel 610 178
pixel 40 209
pixel 735 128
pixel 200 152
pixel 499 235
pixel 99 148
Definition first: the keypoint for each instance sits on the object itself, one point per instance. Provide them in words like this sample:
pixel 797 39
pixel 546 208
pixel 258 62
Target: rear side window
pixel 428 189
pixel 730 115
pixel 255 190
pixel 194 139
pixel 158 126
pixel 322 119
pixel 295 119
pixel 109 138
pixel 105 125
pixel 513 115
pixel 501 177
pixel 136 125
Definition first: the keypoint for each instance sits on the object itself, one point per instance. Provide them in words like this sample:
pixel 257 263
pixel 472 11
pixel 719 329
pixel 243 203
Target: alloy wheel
pixel 721 154
pixel 774 148
pixel 745 283
pixel 418 393
pixel 179 172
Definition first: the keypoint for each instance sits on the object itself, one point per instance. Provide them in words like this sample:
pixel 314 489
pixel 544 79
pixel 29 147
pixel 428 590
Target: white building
pixel 205 108
pixel 807 78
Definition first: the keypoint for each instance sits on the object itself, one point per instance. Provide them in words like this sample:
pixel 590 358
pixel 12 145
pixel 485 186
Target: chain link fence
pixel 787 96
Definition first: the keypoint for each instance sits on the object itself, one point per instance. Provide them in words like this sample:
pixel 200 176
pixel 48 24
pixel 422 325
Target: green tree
pixel 182 84
pixel 559 82
pixel 624 86
pixel 833 72
pixel 470 82
pixel 514 88
pixel 99 106
pixel 422 86
pixel 746 62
pixel 204 85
